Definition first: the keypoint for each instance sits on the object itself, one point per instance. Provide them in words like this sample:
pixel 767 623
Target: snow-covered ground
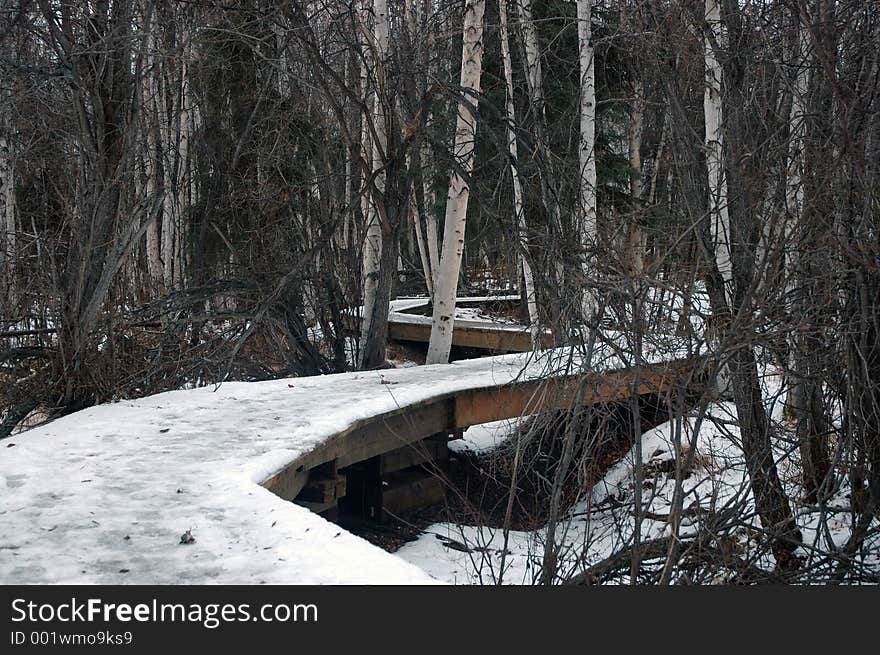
pixel 601 524
pixel 484 438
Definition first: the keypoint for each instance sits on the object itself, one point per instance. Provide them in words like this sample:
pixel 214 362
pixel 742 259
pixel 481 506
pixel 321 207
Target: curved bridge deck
pixel 389 446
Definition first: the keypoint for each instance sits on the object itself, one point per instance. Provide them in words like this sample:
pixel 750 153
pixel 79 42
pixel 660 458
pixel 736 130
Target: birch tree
pixel 535 83
pixel 379 48
pixel 719 219
pixel 518 209
pixel 587 214
pixel 443 317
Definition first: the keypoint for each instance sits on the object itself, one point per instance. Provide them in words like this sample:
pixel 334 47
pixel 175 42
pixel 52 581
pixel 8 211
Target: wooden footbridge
pixel 409 321
pixel 383 462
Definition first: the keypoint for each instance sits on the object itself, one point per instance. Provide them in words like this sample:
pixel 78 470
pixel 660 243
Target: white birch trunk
pixel 535 80
pixel 534 72
pixel 587 223
pixel 794 188
pixel 373 240
pixel 528 277
pixel 712 111
pixel 457 200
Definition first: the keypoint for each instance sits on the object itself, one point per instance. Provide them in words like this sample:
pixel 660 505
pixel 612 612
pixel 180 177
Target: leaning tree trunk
pixel 729 288
pixel 459 189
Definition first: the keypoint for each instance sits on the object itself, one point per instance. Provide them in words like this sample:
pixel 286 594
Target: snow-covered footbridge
pixel 409 321
pixel 195 486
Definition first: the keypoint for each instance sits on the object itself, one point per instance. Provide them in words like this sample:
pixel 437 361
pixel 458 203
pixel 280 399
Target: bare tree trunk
pixel 658 159
pixel 430 215
pixel 770 499
pixel 429 198
pixel 343 237
pixel 151 157
pixel 186 190
pixel 7 215
pixel 459 189
pixel 636 237
pixel 420 241
pixel 169 190
pixel 535 81
pixel 366 140
pixel 410 10
pixel 528 277
pixel 805 394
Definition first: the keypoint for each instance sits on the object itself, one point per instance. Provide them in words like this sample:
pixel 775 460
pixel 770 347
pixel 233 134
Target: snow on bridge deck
pixel 103 495
pixel 472 327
